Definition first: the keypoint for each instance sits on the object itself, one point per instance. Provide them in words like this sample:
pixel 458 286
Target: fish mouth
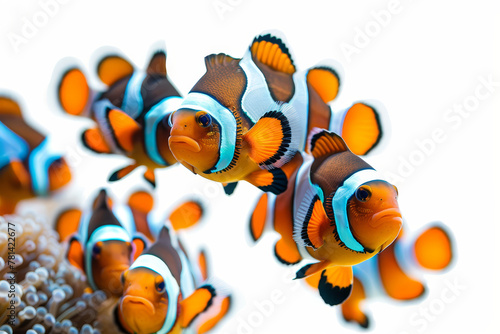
pixel 136 301
pixel 386 215
pixel 185 142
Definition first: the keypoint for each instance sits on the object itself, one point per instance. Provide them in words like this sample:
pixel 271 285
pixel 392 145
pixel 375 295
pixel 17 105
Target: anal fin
pixel 311 269
pixel 149 175
pixel 229 187
pixel 335 284
pixel 274 180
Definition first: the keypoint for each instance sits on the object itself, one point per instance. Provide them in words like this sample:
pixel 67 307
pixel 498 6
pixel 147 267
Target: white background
pixel 426 59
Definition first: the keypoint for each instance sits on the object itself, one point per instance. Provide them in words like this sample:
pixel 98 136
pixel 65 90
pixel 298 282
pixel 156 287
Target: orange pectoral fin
pixel 95 141
pixel 394 280
pixel 325 81
pixel 18 174
pixel 75 254
pixel 195 304
pixel 335 284
pixel 433 248
pixel 67 223
pixel 124 128
pixel 273 180
pixel 286 253
pixel 351 308
pixel 113 68
pixel 186 215
pixel 361 129
pixel 258 218
pixel 73 92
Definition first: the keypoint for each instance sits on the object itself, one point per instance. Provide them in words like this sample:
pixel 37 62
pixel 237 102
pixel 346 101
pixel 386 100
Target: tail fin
pixel 186 215
pixel 433 248
pixel 364 126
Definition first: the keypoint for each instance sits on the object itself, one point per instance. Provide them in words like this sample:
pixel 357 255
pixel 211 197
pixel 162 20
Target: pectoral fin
pixel 195 304
pixel 95 141
pixel 123 127
pixel 139 245
pixel 121 173
pixel 75 254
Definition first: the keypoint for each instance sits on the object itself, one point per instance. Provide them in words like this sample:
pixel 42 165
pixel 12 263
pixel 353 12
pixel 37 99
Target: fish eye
pixel 96 250
pixel 363 193
pixel 160 284
pixel 203 119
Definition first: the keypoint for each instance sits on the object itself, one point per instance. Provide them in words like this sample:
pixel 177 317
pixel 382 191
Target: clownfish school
pixel 257 119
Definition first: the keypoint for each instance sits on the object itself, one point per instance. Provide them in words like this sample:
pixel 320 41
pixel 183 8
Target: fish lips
pixel 384 216
pixel 129 301
pixel 184 142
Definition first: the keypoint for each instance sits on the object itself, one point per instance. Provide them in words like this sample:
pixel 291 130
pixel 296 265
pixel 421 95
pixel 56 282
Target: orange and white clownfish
pixel 30 165
pixel 128 114
pixel 164 292
pixel 246 118
pixel 337 212
pixel 99 245
pixel 396 273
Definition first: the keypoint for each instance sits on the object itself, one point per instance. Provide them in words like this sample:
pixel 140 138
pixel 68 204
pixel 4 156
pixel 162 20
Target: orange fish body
pixel 395 273
pixel 164 293
pixel 103 249
pixel 246 118
pixel 129 114
pixel 337 212
pixel 29 166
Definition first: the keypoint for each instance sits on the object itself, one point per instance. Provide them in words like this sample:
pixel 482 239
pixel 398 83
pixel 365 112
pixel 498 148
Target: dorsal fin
pixel 158 63
pixel 272 51
pixel 102 200
pixel 73 91
pixel 323 143
pixel 214 61
pixel 325 80
pixel 9 107
pixel 113 68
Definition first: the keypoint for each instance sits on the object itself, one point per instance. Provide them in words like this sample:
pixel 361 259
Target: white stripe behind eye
pixel 340 200
pixel 133 103
pixel 225 118
pixel 39 162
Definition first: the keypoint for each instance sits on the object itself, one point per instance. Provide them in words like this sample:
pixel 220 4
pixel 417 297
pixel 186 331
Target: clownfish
pixel 163 291
pixel 396 272
pixel 99 245
pixel 29 164
pixel 128 114
pixel 246 118
pixel 337 212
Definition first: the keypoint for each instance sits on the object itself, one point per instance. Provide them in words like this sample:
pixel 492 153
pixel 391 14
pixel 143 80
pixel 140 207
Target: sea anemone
pixel 40 292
